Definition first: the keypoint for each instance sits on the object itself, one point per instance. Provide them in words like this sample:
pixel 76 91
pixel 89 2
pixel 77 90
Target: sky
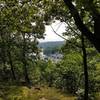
pixel 59 27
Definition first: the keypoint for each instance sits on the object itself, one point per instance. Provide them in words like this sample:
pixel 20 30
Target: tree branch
pixel 58 34
pixel 75 45
pixel 84 30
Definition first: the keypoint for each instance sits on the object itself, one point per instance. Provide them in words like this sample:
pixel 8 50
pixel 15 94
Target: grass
pixel 24 93
pixel 45 93
pixel 98 96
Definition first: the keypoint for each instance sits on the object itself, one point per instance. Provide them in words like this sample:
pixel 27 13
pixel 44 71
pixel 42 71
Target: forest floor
pixel 24 93
pixel 35 93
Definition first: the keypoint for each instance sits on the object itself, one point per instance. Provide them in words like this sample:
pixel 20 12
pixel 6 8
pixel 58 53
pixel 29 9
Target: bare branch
pixel 57 33
pixel 75 45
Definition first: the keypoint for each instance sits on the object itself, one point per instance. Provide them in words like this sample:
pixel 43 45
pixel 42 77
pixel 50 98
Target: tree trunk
pixel 3 59
pixel 85 69
pixel 25 71
pixel 3 52
pixel 93 38
pixel 11 65
pixel 24 61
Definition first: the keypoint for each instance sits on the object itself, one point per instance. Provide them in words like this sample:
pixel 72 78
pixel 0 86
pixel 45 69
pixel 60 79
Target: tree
pixel 21 24
pixel 86 18
pixel 70 71
pixel 86 79
pixel 94 13
pixel 91 18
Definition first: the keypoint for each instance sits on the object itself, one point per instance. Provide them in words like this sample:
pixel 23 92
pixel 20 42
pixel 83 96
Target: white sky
pixel 59 27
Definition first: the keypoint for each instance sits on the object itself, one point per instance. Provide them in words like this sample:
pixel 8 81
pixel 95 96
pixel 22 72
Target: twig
pixel 64 37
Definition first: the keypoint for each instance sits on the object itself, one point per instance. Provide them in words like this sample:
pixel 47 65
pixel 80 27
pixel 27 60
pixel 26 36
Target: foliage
pixel 21 26
pixel 22 23
pixel 24 93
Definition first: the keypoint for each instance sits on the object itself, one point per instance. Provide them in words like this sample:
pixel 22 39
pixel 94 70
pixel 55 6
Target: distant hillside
pixel 51 47
pixel 51 44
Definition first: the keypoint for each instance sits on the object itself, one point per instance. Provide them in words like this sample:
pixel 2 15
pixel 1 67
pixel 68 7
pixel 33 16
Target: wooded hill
pixel 51 47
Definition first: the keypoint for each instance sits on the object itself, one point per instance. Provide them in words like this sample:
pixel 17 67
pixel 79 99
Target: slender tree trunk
pixel 85 69
pixel 25 61
pixel 25 70
pixel 3 60
pixel 3 52
pixel 11 65
pixel 9 43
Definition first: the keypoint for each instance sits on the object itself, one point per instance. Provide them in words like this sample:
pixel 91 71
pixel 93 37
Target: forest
pixel 24 75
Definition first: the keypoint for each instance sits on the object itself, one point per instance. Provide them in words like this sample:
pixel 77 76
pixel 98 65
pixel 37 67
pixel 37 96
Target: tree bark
pixel 24 61
pixel 85 69
pixel 11 64
pixel 3 52
pixel 95 40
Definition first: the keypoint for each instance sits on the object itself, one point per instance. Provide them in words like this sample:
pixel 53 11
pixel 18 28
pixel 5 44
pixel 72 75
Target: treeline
pixel 20 27
pixel 51 47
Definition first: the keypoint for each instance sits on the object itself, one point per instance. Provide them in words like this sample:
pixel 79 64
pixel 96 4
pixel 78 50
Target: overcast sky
pixel 59 27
